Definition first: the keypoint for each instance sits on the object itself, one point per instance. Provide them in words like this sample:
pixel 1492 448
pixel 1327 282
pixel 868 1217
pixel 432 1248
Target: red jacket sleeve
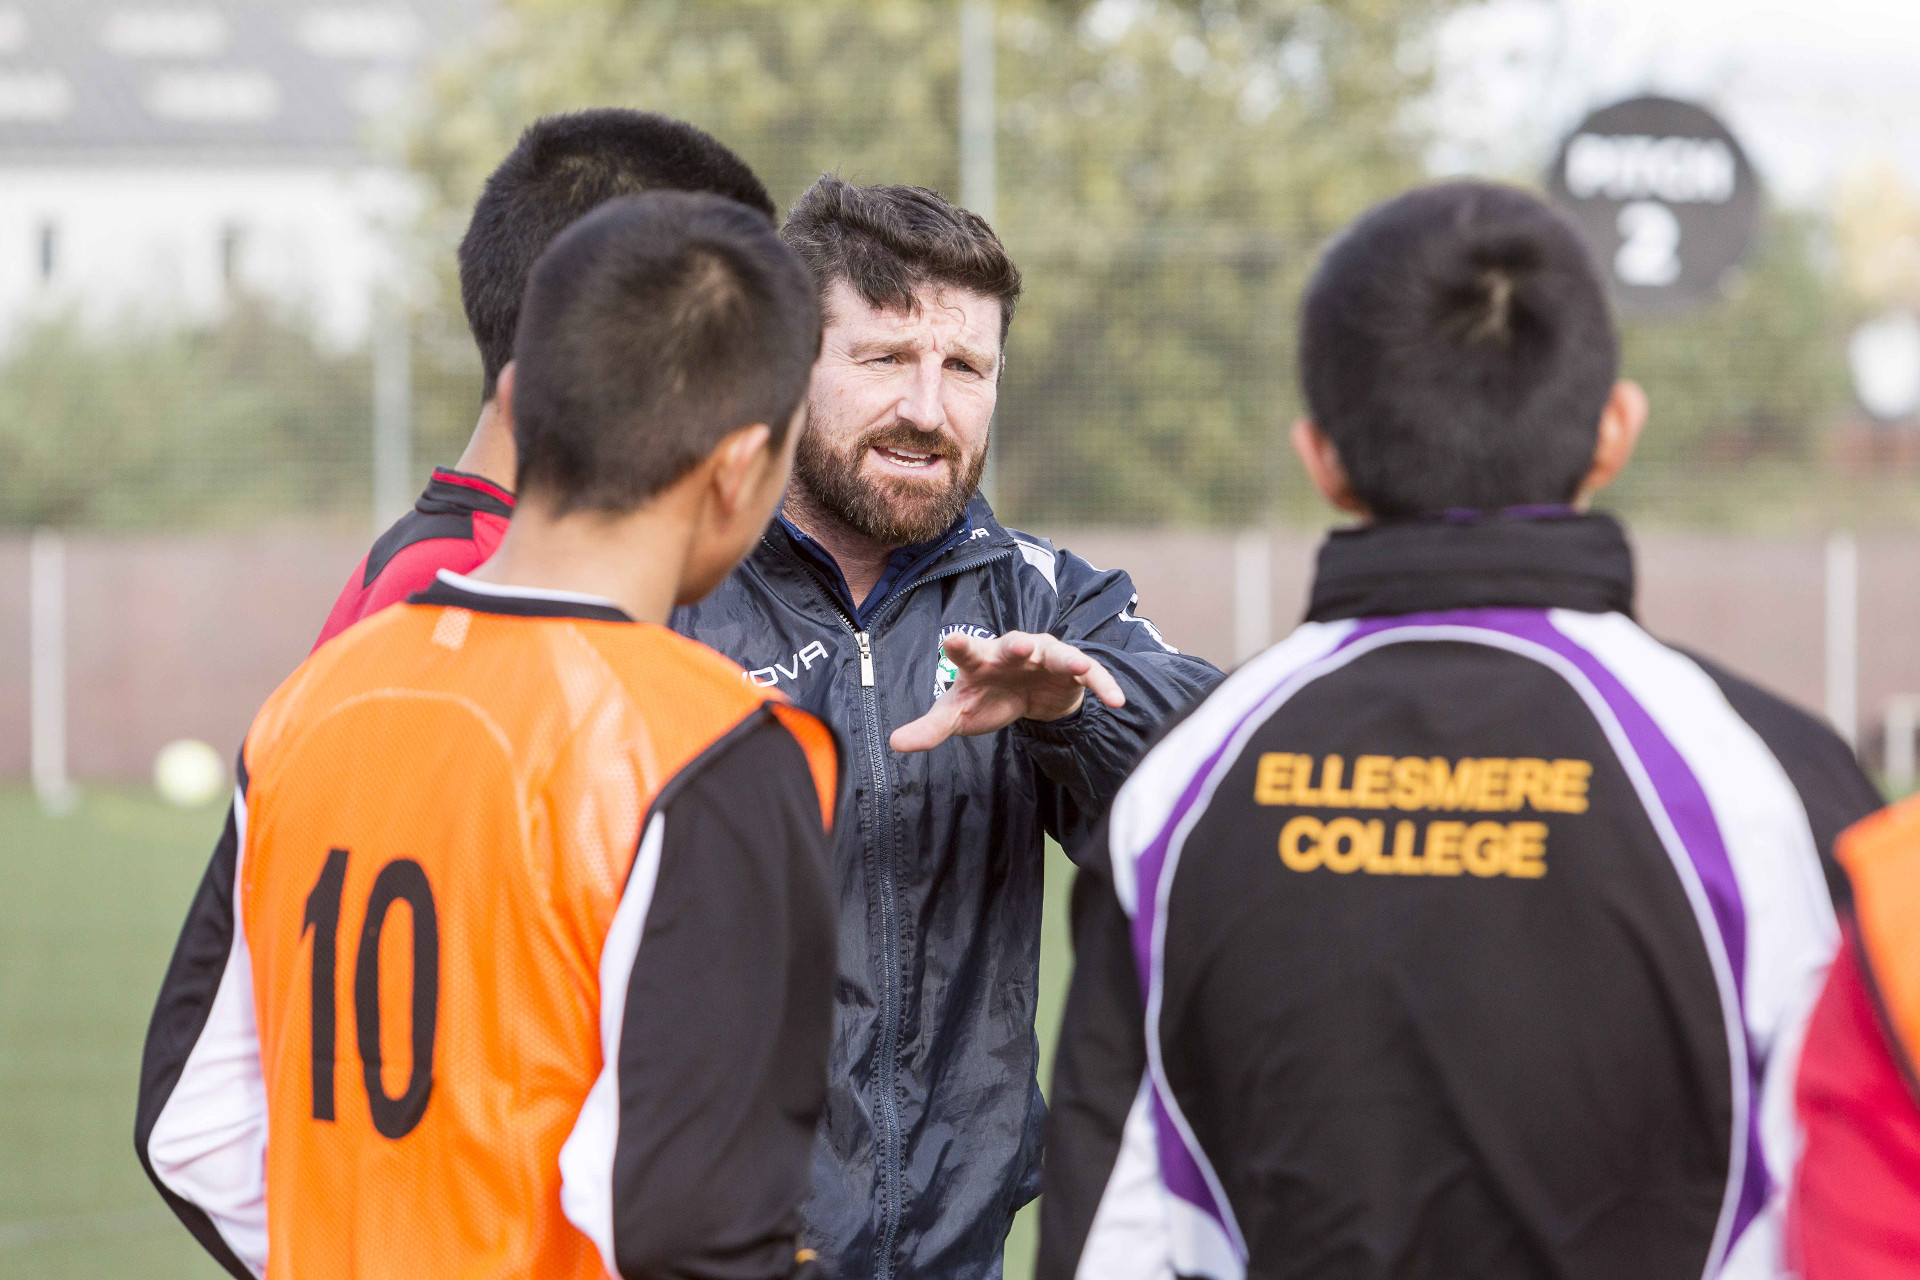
pixel 411 569
pixel 1855 1212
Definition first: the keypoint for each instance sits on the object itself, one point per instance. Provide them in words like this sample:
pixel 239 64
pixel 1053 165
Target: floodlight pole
pixel 1903 716
pixel 392 415
pixel 1252 593
pixel 976 107
pixel 47 670
pixel 976 142
pixel 1843 635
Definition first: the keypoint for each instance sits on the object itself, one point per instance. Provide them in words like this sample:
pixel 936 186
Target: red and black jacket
pixel 1856 1202
pixel 455 524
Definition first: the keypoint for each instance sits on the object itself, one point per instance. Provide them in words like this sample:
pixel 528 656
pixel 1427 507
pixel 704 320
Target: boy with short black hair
pixel 493 970
pixel 563 167
pixel 1474 930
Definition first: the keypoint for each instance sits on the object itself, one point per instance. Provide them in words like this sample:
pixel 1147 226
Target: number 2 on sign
pixel 403 879
pixel 1649 254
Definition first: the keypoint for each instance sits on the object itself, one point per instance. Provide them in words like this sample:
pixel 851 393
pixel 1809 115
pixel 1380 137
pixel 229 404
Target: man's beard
pixel 893 510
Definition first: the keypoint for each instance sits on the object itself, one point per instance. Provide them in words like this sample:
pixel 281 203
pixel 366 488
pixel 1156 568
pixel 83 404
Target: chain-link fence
pixel 1147 384
pixel 1163 173
pixel 1164 182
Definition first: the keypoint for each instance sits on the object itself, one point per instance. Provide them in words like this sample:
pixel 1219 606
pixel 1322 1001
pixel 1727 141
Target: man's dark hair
pixel 1457 347
pixel 655 326
pixel 887 241
pixel 562 168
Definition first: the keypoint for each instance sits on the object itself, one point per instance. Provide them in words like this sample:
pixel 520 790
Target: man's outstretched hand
pixel 1011 677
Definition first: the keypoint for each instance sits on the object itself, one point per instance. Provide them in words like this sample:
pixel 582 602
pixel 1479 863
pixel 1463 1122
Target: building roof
pixel 288 80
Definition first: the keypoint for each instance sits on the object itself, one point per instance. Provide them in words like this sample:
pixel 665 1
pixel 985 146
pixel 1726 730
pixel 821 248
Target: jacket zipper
pixel 892 1166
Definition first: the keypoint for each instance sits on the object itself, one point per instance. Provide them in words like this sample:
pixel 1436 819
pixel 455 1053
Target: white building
pixel 155 157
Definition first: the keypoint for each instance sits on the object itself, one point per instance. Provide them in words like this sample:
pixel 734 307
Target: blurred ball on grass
pixel 189 773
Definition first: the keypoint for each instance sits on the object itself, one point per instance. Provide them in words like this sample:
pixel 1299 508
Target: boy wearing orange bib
pixel 517 955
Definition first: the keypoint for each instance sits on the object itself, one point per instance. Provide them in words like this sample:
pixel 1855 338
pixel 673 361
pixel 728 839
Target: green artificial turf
pixel 1056 961
pixel 89 906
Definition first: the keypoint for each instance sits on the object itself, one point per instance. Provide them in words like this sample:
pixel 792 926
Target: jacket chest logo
pixel 944 672
pixel 790 670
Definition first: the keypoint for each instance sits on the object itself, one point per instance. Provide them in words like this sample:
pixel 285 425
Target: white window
pixel 370 31
pixel 34 95
pixel 214 96
pixel 165 33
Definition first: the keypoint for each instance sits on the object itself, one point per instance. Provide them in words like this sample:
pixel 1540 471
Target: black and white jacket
pixel 1468 932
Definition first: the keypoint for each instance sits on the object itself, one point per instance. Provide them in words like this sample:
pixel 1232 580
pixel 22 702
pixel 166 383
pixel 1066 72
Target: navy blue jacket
pixel 931 1138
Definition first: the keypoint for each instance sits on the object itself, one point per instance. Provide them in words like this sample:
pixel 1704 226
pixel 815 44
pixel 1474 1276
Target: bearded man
pixel 990 691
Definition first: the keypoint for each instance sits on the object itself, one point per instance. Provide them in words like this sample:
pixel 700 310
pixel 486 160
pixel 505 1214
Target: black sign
pixel 1665 198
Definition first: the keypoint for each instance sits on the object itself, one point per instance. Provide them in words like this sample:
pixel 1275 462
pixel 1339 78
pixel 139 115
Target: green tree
pixel 1744 391
pixel 1166 170
pixel 242 421
pixel 1171 171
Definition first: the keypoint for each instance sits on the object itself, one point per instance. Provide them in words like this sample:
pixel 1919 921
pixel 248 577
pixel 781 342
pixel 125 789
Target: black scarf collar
pixel 1560 560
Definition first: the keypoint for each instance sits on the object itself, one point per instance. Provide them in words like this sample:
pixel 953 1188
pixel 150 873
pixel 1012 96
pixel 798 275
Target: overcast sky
pixel 1813 88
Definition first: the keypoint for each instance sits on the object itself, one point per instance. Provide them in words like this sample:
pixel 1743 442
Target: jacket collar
pixel 458 591
pixel 1536 558
pixel 460 492
pixel 974 537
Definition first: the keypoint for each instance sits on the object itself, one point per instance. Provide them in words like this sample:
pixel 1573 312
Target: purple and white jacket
pixel 1469 931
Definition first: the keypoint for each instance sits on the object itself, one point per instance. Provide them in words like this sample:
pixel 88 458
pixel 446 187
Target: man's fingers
pixel 1035 652
pixel 1042 652
pixel 964 651
pixel 1012 650
pixel 1064 659
pixel 1100 682
pixel 930 730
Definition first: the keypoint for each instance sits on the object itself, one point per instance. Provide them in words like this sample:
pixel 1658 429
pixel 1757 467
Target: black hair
pixel 886 241
pixel 1457 347
pixel 655 325
pixel 562 168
